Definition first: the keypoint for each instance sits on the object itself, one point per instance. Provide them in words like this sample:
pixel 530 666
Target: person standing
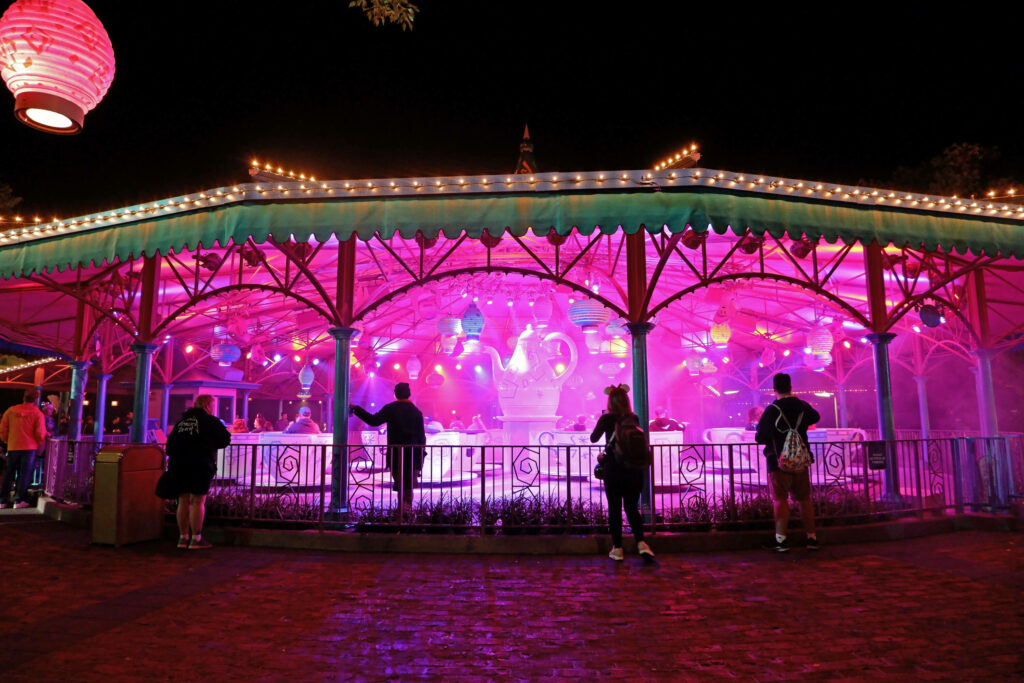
pixel 785 412
pixel 23 429
pixel 191 463
pixel 406 438
pixel 622 485
pixel 282 423
pixel 304 423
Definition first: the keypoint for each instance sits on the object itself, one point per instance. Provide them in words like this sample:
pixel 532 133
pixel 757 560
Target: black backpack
pixel 629 445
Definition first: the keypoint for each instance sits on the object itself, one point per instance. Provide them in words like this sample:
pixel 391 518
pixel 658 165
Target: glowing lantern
pixel 434 379
pixel 257 354
pixel 306 378
pixel 449 325
pixel 473 322
pixel 609 369
pixel 817 362
pixel 619 347
pixel 820 340
pixel 588 315
pixel 767 356
pixel 57 60
pixel 617 328
pixel 542 311
pixel 720 333
pixel 413 367
pixel 692 364
pixel 225 354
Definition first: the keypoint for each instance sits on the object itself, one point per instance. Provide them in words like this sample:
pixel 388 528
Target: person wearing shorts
pixel 771 431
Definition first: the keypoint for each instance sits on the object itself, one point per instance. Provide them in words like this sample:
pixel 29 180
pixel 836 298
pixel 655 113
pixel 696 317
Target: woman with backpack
pixel 623 479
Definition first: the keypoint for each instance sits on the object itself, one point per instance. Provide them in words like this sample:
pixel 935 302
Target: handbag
pixel 165 487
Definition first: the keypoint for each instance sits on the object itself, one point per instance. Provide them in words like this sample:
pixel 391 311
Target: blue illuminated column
pixel 165 406
pixel 101 406
pixel 922 405
pixel 986 392
pixel 339 461
pixel 638 334
pixel 886 421
pixel 140 406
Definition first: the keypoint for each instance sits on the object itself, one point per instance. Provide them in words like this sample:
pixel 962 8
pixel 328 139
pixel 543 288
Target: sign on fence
pixel 875 452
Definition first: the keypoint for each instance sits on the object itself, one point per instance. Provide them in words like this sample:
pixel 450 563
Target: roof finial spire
pixel 526 163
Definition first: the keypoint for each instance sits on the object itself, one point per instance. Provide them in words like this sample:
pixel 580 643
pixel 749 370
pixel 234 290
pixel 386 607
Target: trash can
pixel 125 508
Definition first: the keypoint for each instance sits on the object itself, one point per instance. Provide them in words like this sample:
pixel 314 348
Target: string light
pixel 27 364
pixel 13 230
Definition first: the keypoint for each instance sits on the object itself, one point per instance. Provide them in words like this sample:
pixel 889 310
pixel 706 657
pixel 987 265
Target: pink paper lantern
pixel 57 60
pixel 820 340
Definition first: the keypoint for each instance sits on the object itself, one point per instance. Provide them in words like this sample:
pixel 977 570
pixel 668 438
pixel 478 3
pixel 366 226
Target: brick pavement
pixel 942 607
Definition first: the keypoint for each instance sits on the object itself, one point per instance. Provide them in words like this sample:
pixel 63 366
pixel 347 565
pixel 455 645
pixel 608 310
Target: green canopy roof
pixel 259 212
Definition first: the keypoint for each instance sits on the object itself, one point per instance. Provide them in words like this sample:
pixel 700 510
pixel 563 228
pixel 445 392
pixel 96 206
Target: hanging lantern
pixel 448 342
pixel 618 347
pixel 721 332
pixel 225 354
pixel 931 316
pixel 588 315
pixel 820 340
pixel 57 60
pixel 413 367
pixel 306 378
pixel 815 362
pixel 616 328
pixel 593 343
pixel 257 354
pixel 767 356
pixel 542 310
pixel 434 379
pixel 449 325
pixel 610 369
pixel 692 364
pixel 473 322
pixel 708 367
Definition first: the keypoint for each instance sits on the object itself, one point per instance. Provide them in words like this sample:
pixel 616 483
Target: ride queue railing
pixel 512 489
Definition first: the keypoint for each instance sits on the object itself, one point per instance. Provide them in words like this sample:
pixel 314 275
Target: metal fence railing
pixel 513 489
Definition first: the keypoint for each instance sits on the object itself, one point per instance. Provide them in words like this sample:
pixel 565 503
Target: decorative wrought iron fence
pixel 510 489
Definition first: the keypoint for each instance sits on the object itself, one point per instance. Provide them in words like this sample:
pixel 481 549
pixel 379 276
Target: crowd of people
pixel 194 440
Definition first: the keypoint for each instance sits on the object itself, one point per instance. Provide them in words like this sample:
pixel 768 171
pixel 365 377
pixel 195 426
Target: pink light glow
pixel 57 61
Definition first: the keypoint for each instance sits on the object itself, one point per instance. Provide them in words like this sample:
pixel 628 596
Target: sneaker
pixel 616 554
pixel 778 546
pixel 21 505
pixel 183 541
pixel 644 550
pixel 812 544
pixel 199 544
pixel 4 506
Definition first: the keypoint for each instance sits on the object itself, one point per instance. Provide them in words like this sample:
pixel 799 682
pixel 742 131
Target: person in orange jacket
pixel 23 429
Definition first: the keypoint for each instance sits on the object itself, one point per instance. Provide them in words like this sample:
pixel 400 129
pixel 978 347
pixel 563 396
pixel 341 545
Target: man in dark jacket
pixel 787 410
pixel 406 438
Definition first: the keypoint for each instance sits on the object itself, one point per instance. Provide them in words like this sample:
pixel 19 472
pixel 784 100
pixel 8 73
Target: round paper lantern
pixel 434 379
pixel 413 367
pixel 473 322
pixel 820 340
pixel 588 315
pixel 610 369
pixel 57 60
pixel 930 315
pixel 449 325
pixel 257 354
pixel 306 378
pixel 225 354
pixel 767 356
pixel 720 333
pixel 542 311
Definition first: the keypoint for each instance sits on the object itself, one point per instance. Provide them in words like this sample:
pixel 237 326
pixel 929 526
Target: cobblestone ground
pixel 943 607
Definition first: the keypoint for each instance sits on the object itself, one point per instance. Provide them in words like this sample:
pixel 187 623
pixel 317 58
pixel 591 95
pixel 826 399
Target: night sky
pixel 845 93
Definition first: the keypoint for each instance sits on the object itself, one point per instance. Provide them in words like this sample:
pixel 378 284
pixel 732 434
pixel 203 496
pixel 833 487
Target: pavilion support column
pixel 165 406
pixel 641 405
pixel 339 462
pixel 246 394
pixel 843 420
pixel 101 406
pixel 328 414
pixel 886 421
pixel 143 374
pixel 985 389
pixel 922 405
pixel 79 378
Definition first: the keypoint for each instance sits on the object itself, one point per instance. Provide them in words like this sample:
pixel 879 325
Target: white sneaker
pixel 644 549
pixel 22 504
pixel 616 554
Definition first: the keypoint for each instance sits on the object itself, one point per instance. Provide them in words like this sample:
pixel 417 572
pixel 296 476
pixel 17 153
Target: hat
pixel 402 390
pixel 305 411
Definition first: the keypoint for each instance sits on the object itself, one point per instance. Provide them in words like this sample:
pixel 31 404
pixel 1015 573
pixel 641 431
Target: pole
pixel 339 440
pixel 886 422
pixel 101 406
pixel 79 377
pixel 140 406
pixel 922 405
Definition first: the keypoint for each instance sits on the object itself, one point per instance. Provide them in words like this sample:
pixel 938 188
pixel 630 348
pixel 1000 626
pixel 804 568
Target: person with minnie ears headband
pixel 622 485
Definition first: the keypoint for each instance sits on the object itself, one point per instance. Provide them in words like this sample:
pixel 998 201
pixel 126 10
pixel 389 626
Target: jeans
pixel 20 465
pixel 623 490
